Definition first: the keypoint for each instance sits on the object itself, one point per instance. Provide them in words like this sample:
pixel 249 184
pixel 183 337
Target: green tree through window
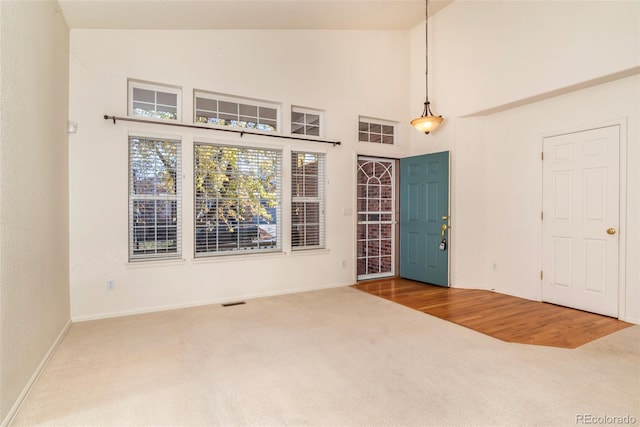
pixel 154 198
pixel 237 195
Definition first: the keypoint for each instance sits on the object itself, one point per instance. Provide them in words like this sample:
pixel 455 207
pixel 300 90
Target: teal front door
pixel 424 214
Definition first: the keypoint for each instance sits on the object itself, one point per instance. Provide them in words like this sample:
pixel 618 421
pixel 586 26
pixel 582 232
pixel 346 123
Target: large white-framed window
pixel 307 200
pixel 155 180
pixel 236 112
pixel 376 131
pixel 154 100
pixel 306 121
pixel 237 197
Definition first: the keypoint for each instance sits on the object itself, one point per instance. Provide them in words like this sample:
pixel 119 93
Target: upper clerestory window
pixel 376 131
pixel 154 101
pixel 305 121
pixel 244 113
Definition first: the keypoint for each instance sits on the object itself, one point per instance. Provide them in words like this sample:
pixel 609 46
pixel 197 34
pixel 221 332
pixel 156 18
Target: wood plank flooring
pixel 505 317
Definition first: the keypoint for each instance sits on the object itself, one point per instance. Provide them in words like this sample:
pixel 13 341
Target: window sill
pixel 155 263
pixel 236 257
pixel 225 258
pixel 304 252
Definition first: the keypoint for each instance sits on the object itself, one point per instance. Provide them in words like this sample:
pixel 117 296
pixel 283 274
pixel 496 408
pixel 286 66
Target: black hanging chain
pixel 426 49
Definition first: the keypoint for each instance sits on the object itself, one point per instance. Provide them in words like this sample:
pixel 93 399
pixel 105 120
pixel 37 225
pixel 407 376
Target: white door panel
pixel 581 201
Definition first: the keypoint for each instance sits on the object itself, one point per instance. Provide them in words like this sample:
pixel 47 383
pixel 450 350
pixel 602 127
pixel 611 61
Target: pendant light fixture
pixel 427 122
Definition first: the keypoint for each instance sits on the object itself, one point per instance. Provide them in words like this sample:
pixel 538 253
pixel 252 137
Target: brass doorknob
pixel 611 231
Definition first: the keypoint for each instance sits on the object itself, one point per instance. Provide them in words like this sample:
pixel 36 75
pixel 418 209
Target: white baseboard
pixel 204 302
pixel 36 374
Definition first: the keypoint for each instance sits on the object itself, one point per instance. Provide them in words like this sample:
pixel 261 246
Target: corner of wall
pixel 34 255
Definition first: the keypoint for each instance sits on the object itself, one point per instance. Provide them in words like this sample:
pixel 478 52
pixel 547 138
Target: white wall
pixel 513 145
pixel 491 53
pixel 345 73
pixel 34 278
pixel 487 57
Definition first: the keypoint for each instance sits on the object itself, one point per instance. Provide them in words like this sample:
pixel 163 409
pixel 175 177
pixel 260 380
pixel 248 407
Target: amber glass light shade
pixel 426 124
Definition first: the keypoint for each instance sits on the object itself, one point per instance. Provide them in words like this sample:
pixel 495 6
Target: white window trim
pixel 166 257
pixel 305 110
pixel 198 93
pixel 320 199
pixel 382 122
pixel 278 249
pixel 158 87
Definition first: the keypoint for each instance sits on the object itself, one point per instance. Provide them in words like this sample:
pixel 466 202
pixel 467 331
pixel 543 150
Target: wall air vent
pixel 231 304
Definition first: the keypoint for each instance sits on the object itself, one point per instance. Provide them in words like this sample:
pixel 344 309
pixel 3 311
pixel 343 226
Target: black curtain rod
pixel 241 132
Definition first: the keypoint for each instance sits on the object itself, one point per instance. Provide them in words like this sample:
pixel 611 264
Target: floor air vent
pixel 231 304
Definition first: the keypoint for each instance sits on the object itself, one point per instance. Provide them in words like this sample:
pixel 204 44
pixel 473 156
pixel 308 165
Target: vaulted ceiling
pixel 247 14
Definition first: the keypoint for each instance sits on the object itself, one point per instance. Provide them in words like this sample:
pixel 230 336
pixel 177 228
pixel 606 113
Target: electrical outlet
pixel 111 284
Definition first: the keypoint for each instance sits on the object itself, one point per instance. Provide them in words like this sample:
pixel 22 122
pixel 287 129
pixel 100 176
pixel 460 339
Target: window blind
pixel 154 198
pixel 238 193
pixel 307 200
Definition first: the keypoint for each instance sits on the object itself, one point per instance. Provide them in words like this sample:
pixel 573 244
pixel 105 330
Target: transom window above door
pixel 376 131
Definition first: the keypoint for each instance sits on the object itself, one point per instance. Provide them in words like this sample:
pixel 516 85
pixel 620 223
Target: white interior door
pixel 581 203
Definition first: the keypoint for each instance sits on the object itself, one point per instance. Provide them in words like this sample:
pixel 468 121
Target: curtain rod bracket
pixel 110 117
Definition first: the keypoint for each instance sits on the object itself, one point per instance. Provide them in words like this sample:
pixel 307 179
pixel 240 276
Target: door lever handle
pixel 444 228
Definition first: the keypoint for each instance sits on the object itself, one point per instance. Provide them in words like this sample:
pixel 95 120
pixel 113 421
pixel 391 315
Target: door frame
pixel 396 211
pixel 447 221
pixel 622 238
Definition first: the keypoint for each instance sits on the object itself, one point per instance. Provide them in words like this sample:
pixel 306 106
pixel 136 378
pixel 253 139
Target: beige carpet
pixel 337 357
